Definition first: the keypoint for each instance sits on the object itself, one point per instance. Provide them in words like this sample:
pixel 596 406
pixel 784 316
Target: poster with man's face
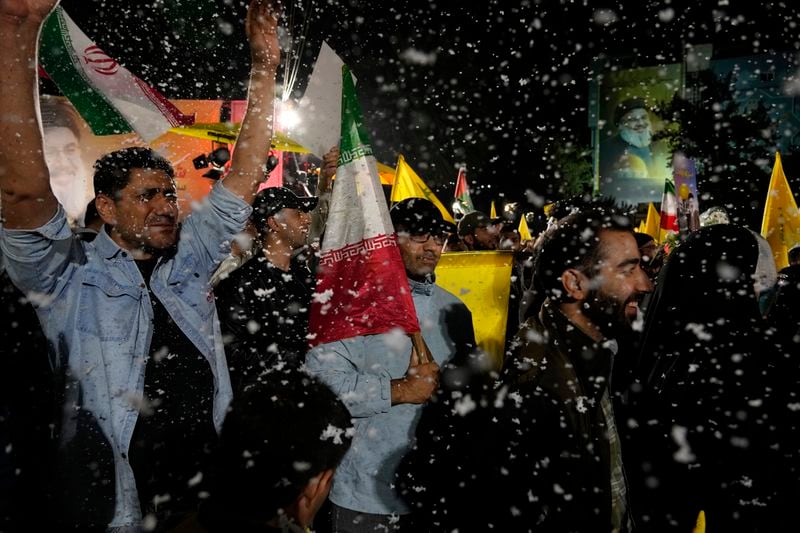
pixel 70 150
pixel 631 166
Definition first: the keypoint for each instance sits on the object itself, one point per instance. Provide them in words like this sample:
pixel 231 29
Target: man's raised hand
pixel 27 10
pixel 261 26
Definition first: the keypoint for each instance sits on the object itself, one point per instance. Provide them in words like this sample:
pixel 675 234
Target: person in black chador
pixel 715 420
pixel 263 306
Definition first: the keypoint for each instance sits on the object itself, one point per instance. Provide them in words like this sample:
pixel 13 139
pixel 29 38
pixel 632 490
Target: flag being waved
pixel 362 288
pixel 109 98
pixel 652 225
pixel 524 231
pixel 781 222
pixel 463 203
pixel 407 184
pixel 669 211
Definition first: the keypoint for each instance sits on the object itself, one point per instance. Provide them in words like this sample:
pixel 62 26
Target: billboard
pixel 630 165
pixel 71 150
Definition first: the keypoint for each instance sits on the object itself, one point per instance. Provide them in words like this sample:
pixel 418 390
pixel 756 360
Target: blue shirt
pixel 360 370
pixel 95 309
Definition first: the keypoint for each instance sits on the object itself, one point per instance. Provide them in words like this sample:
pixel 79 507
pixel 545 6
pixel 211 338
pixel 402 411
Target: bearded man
pixel 629 154
pixel 565 460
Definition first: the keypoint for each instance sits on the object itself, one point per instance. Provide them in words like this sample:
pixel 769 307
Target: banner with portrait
pixel 688 202
pixel 630 165
pixel 71 150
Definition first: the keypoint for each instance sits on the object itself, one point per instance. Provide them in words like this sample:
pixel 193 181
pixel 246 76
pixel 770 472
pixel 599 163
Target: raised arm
pixel 250 154
pixel 27 200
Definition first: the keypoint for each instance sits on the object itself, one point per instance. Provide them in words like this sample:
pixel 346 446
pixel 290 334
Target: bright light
pixel 287 117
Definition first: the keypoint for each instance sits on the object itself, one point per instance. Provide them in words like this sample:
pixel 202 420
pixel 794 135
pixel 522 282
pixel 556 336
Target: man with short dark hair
pixel 130 315
pixel 565 463
pixel 479 232
pixel 383 383
pixel 264 305
pixel 280 445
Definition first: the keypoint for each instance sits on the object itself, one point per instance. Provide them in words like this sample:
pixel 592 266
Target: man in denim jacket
pixel 385 390
pixel 107 307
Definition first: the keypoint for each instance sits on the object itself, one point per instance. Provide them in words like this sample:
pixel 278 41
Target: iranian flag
pixel 669 211
pixel 362 287
pixel 109 98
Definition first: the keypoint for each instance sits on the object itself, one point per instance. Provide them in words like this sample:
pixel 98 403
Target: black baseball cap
pixel 474 220
pixel 272 199
pixel 418 216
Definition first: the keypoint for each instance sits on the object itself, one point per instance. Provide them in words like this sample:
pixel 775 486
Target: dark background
pixel 499 85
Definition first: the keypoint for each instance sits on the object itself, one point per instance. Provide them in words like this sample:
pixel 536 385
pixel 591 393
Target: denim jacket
pixel 95 311
pixel 360 370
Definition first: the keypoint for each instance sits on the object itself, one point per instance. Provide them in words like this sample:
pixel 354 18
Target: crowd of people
pixel 157 380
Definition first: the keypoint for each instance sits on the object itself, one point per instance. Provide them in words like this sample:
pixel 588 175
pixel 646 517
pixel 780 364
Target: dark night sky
pixel 493 85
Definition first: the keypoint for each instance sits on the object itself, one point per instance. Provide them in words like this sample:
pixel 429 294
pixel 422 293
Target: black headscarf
pixel 705 295
pixel 713 396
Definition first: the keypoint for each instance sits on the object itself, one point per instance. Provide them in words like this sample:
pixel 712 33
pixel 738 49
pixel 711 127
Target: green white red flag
pixel 362 288
pixel 669 211
pixel 109 98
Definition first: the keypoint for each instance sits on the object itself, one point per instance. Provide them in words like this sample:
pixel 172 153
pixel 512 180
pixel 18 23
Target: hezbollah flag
pixel 669 211
pixel 781 222
pixel 362 287
pixel 524 231
pixel 480 280
pixel 407 184
pixel 109 98
pixel 463 202
pixel 652 226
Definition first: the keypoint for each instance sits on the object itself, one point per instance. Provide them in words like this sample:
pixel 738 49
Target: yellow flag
pixel 700 525
pixel 781 222
pixel 225 132
pixel 524 232
pixel 408 185
pixel 653 225
pixel 493 211
pixel 386 174
pixel 480 280
pixel 642 227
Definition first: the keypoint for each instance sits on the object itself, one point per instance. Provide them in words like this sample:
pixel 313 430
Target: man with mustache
pixel 130 315
pixel 62 152
pixel 564 456
pixel 264 304
pixel 628 154
pixel 385 386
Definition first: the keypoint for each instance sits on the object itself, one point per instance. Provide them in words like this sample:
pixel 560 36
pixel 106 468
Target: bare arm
pixel 27 200
pixel 249 156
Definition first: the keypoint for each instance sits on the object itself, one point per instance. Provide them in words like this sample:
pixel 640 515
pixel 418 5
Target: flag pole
pixel 419 345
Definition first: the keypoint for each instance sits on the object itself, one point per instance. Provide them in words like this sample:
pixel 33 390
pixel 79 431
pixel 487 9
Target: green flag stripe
pixel 354 142
pixel 63 66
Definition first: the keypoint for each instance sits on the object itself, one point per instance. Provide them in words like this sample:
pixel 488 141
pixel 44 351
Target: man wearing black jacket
pixel 263 306
pixel 564 454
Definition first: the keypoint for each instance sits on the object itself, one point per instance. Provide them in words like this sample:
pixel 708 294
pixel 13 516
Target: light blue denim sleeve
pixel 342 365
pixel 42 260
pixel 211 226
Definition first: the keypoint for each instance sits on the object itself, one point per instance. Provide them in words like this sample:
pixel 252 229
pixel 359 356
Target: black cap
pixel 272 199
pixel 418 216
pixel 474 220
pixel 626 106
